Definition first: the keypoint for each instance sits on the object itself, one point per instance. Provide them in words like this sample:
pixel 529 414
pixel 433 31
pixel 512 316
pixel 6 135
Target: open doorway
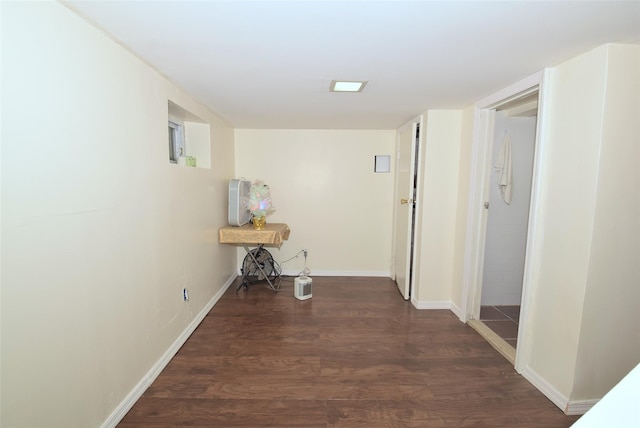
pixel 406 180
pixel 512 154
pixel 497 272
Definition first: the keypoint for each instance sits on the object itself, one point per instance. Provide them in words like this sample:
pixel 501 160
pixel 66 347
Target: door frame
pixel 484 113
pixel 416 163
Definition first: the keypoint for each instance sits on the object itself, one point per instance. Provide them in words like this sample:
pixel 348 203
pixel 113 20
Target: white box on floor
pixel 302 287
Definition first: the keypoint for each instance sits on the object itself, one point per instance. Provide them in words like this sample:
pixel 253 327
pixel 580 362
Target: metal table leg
pixel 244 282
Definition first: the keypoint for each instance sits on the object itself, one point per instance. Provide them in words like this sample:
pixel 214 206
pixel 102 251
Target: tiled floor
pixel 503 320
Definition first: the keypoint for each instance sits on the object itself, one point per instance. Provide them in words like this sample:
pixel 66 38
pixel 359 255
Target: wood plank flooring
pixel 354 355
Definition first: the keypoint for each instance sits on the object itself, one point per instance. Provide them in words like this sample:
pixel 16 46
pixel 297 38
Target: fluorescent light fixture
pixel 347 86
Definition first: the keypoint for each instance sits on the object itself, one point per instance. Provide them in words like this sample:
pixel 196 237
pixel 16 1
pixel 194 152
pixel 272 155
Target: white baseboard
pixel 569 407
pixel 431 304
pixel 546 388
pixel 580 407
pixel 133 396
pixel 386 274
pixel 457 311
pixel 438 304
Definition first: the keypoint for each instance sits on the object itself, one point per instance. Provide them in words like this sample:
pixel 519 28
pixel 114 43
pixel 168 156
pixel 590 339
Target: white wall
pixel 464 184
pixel 506 234
pixel 618 408
pixel 569 165
pixel 436 247
pixel 99 232
pixel 583 317
pixel 323 186
pixel 609 336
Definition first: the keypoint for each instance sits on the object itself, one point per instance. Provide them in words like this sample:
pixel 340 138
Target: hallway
pixel 355 354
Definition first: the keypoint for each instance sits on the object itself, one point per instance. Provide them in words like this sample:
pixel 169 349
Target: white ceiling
pixel 268 64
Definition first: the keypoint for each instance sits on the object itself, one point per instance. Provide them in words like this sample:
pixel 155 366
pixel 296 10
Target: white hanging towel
pixel 503 169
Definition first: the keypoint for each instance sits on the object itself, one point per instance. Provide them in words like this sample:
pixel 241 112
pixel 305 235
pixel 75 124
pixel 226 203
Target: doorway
pixel 514 136
pixel 406 180
pixel 496 266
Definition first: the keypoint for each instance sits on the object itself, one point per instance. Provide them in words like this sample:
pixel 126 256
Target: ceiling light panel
pixel 347 85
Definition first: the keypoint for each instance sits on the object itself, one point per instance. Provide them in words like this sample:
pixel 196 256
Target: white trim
pixel 545 387
pixel 511 92
pixel 476 214
pixel 457 311
pixel 580 407
pixel 569 407
pixel 437 304
pixel 468 274
pixel 121 410
pixel 386 274
pixel 419 174
pixel 533 237
pixel 416 121
pixel 394 237
pixel 431 304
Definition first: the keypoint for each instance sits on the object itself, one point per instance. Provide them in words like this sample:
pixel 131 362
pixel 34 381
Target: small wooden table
pixel 273 234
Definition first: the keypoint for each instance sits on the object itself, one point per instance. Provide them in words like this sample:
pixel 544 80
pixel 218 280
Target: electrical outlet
pixel 185 295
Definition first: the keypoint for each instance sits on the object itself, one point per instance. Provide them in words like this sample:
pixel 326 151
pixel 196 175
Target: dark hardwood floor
pixel 354 355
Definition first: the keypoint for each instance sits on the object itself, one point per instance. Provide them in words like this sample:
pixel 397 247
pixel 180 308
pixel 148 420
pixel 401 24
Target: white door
pixel 405 207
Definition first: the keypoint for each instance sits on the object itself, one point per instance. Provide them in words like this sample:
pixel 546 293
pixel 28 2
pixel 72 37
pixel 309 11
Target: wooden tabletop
pixel 272 234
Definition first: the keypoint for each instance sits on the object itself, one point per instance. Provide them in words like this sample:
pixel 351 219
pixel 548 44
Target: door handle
pixel 406 201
